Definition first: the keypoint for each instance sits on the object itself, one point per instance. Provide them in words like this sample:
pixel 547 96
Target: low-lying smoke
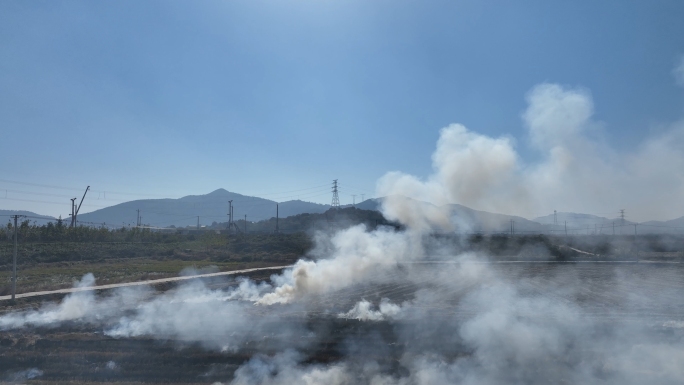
pixel 81 306
pixel 364 311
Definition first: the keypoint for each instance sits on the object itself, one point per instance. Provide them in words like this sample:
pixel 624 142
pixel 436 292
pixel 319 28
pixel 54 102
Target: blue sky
pixel 170 98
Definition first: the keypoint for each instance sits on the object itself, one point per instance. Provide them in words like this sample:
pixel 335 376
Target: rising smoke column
pixel 355 254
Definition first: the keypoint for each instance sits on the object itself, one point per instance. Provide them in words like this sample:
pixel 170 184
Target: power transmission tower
pixel 511 227
pixel 335 198
pixel 245 223
pixel 354 200
pixel 622 219
pixel 137 219
pixel 555 218
pixel 363 197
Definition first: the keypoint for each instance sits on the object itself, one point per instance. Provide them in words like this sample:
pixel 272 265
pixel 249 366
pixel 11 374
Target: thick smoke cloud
pixel 196 314
pixel 578 172
pixel 353 257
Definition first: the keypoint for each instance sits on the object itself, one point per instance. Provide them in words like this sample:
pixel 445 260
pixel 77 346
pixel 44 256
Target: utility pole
pixel 230 213
pixel 73 212
pixel 511 227
pixel 353 200
pixel 566 229
pixel 622 217
pixel 14 258
pixel 137 219
pixel 335 198
pixel 245 224
pixel 636 244
pixel 555 218
pixel 79 205
pixel 277 230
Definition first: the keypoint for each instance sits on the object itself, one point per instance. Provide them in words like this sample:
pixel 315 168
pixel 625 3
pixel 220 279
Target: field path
pixel 235 272
pixel 138 283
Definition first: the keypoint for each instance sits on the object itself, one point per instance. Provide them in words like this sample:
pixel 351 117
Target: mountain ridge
pixel 213 207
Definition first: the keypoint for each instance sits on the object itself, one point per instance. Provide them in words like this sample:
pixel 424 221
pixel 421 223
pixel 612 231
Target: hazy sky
pixel 170 98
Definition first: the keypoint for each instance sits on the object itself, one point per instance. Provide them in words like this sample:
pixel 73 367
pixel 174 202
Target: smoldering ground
pixel 394 320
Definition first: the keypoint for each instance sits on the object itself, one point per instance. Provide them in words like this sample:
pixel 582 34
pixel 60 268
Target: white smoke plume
pixel 284 369
pixel 364 311
pixel 82 306
pixel 23 375
pixel 505 337
pixel 194 313
pixel 579 171
pixel 354 255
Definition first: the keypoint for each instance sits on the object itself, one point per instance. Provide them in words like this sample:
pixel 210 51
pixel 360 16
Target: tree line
pixel 61 232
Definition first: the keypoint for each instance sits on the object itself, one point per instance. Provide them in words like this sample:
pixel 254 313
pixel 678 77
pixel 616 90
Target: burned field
pixel 586 312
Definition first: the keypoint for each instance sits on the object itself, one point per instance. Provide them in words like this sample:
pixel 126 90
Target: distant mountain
pixel 574 219
pixel 369 204
pixel 470 220
pixel 212 207
pixel 30 216
pixel 674 226
pixel 587 223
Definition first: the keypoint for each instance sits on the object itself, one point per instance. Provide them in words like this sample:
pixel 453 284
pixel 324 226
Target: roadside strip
pixel 138 283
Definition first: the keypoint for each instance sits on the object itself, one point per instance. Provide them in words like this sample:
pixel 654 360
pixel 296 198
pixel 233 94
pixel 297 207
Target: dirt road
pixel 138 283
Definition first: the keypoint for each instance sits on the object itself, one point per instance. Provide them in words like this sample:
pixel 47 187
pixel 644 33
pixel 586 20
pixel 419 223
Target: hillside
pixel 470 220
pixel 212 207
pixel 467 220
pixel 32 217
pixel 328 220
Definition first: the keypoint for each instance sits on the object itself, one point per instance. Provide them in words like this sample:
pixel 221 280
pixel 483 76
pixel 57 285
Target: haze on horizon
pixel 525 108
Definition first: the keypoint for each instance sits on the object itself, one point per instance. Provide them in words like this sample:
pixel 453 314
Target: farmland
pixel 647 295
